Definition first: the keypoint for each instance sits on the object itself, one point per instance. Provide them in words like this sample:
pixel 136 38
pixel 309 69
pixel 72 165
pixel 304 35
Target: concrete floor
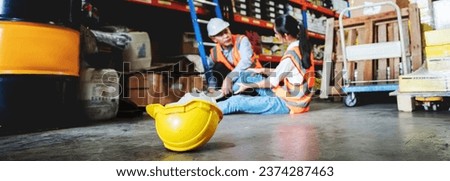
pixel 330 131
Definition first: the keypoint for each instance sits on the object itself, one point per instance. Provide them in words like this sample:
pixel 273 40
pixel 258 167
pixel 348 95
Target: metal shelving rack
pixel 186 7
pixel 172 5
pixel 305 5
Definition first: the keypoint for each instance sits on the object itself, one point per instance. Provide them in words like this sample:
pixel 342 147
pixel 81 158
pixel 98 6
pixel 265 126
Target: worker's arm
pixel 283 70
pixel 245 52
pixel 265 71
pixel 265 83
pixel 210 62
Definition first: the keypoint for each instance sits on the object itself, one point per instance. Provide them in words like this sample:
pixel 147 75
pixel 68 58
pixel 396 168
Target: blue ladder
pixel 197 31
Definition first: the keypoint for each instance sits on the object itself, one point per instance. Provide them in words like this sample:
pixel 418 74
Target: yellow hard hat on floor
pixel 186 125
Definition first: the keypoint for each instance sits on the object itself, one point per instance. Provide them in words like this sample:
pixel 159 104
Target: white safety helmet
pixel 216 25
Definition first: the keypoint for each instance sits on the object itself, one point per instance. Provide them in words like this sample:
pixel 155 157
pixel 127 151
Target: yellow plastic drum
pixel 34 48
pixel 184 127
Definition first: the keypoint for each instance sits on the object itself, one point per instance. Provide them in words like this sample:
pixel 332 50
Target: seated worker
pixel 291 81
pixel 232 54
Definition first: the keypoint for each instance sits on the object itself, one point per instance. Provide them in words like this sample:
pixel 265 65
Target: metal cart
pixel 381 50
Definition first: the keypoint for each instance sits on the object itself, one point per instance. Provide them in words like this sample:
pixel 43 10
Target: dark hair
pixel 286 24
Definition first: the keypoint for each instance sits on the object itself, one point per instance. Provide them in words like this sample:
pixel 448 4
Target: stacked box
pixel 279 9
pixel 189 44
pixel 255 8
pixel 439 64
pixel 260 9
pixel 437 50
pixel 317 24
pixel 153 88
pixel 297 14
pixel 268 10
pixel 423 80
pixel 440 14
pixel 138 53
pixel 145 88
pixel 181 86
pixel 436 77
pixel 437 37
pixel 241 7
pixel 266 50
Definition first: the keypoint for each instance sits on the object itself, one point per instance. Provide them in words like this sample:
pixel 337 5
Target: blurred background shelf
pixel 172 5
pixel 253 21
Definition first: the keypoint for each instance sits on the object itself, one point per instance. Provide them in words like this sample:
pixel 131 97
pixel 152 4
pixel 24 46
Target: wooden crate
pixel 153 88
pixel 145 88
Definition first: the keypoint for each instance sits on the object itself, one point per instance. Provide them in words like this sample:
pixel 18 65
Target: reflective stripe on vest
pixel 297 97
pixel 217 55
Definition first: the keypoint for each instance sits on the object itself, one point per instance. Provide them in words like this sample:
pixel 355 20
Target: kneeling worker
pixel 232 54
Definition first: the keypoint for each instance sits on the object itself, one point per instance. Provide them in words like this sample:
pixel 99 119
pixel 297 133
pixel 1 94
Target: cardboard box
pixel 180 87
pixel 138 52
pixel 437 51
pixel 143 97
pixel 146 80
pixel 375 10
pixel 423 80
pixel 150 88
pixel 137 65
pixel 437 37
pixel 440 14
pixel 145 88
pixel 189 44
pixel 439 64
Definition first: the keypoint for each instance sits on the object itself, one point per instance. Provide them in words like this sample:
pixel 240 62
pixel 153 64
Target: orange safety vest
pixel 217 55
pixel 297 97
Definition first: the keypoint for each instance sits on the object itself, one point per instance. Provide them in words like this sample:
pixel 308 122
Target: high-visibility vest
pixel 217 55
pixel 297 97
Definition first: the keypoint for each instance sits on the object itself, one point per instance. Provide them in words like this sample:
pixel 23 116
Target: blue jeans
pixel 250 77
pixel 253 105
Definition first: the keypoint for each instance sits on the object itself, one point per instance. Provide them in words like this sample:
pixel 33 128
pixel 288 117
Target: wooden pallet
pixel 365 30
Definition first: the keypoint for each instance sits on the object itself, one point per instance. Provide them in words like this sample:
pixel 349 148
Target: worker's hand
pixel 256 71
pixel 211 90
pixel 242 88
pixel 226 86
pixel 214 94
